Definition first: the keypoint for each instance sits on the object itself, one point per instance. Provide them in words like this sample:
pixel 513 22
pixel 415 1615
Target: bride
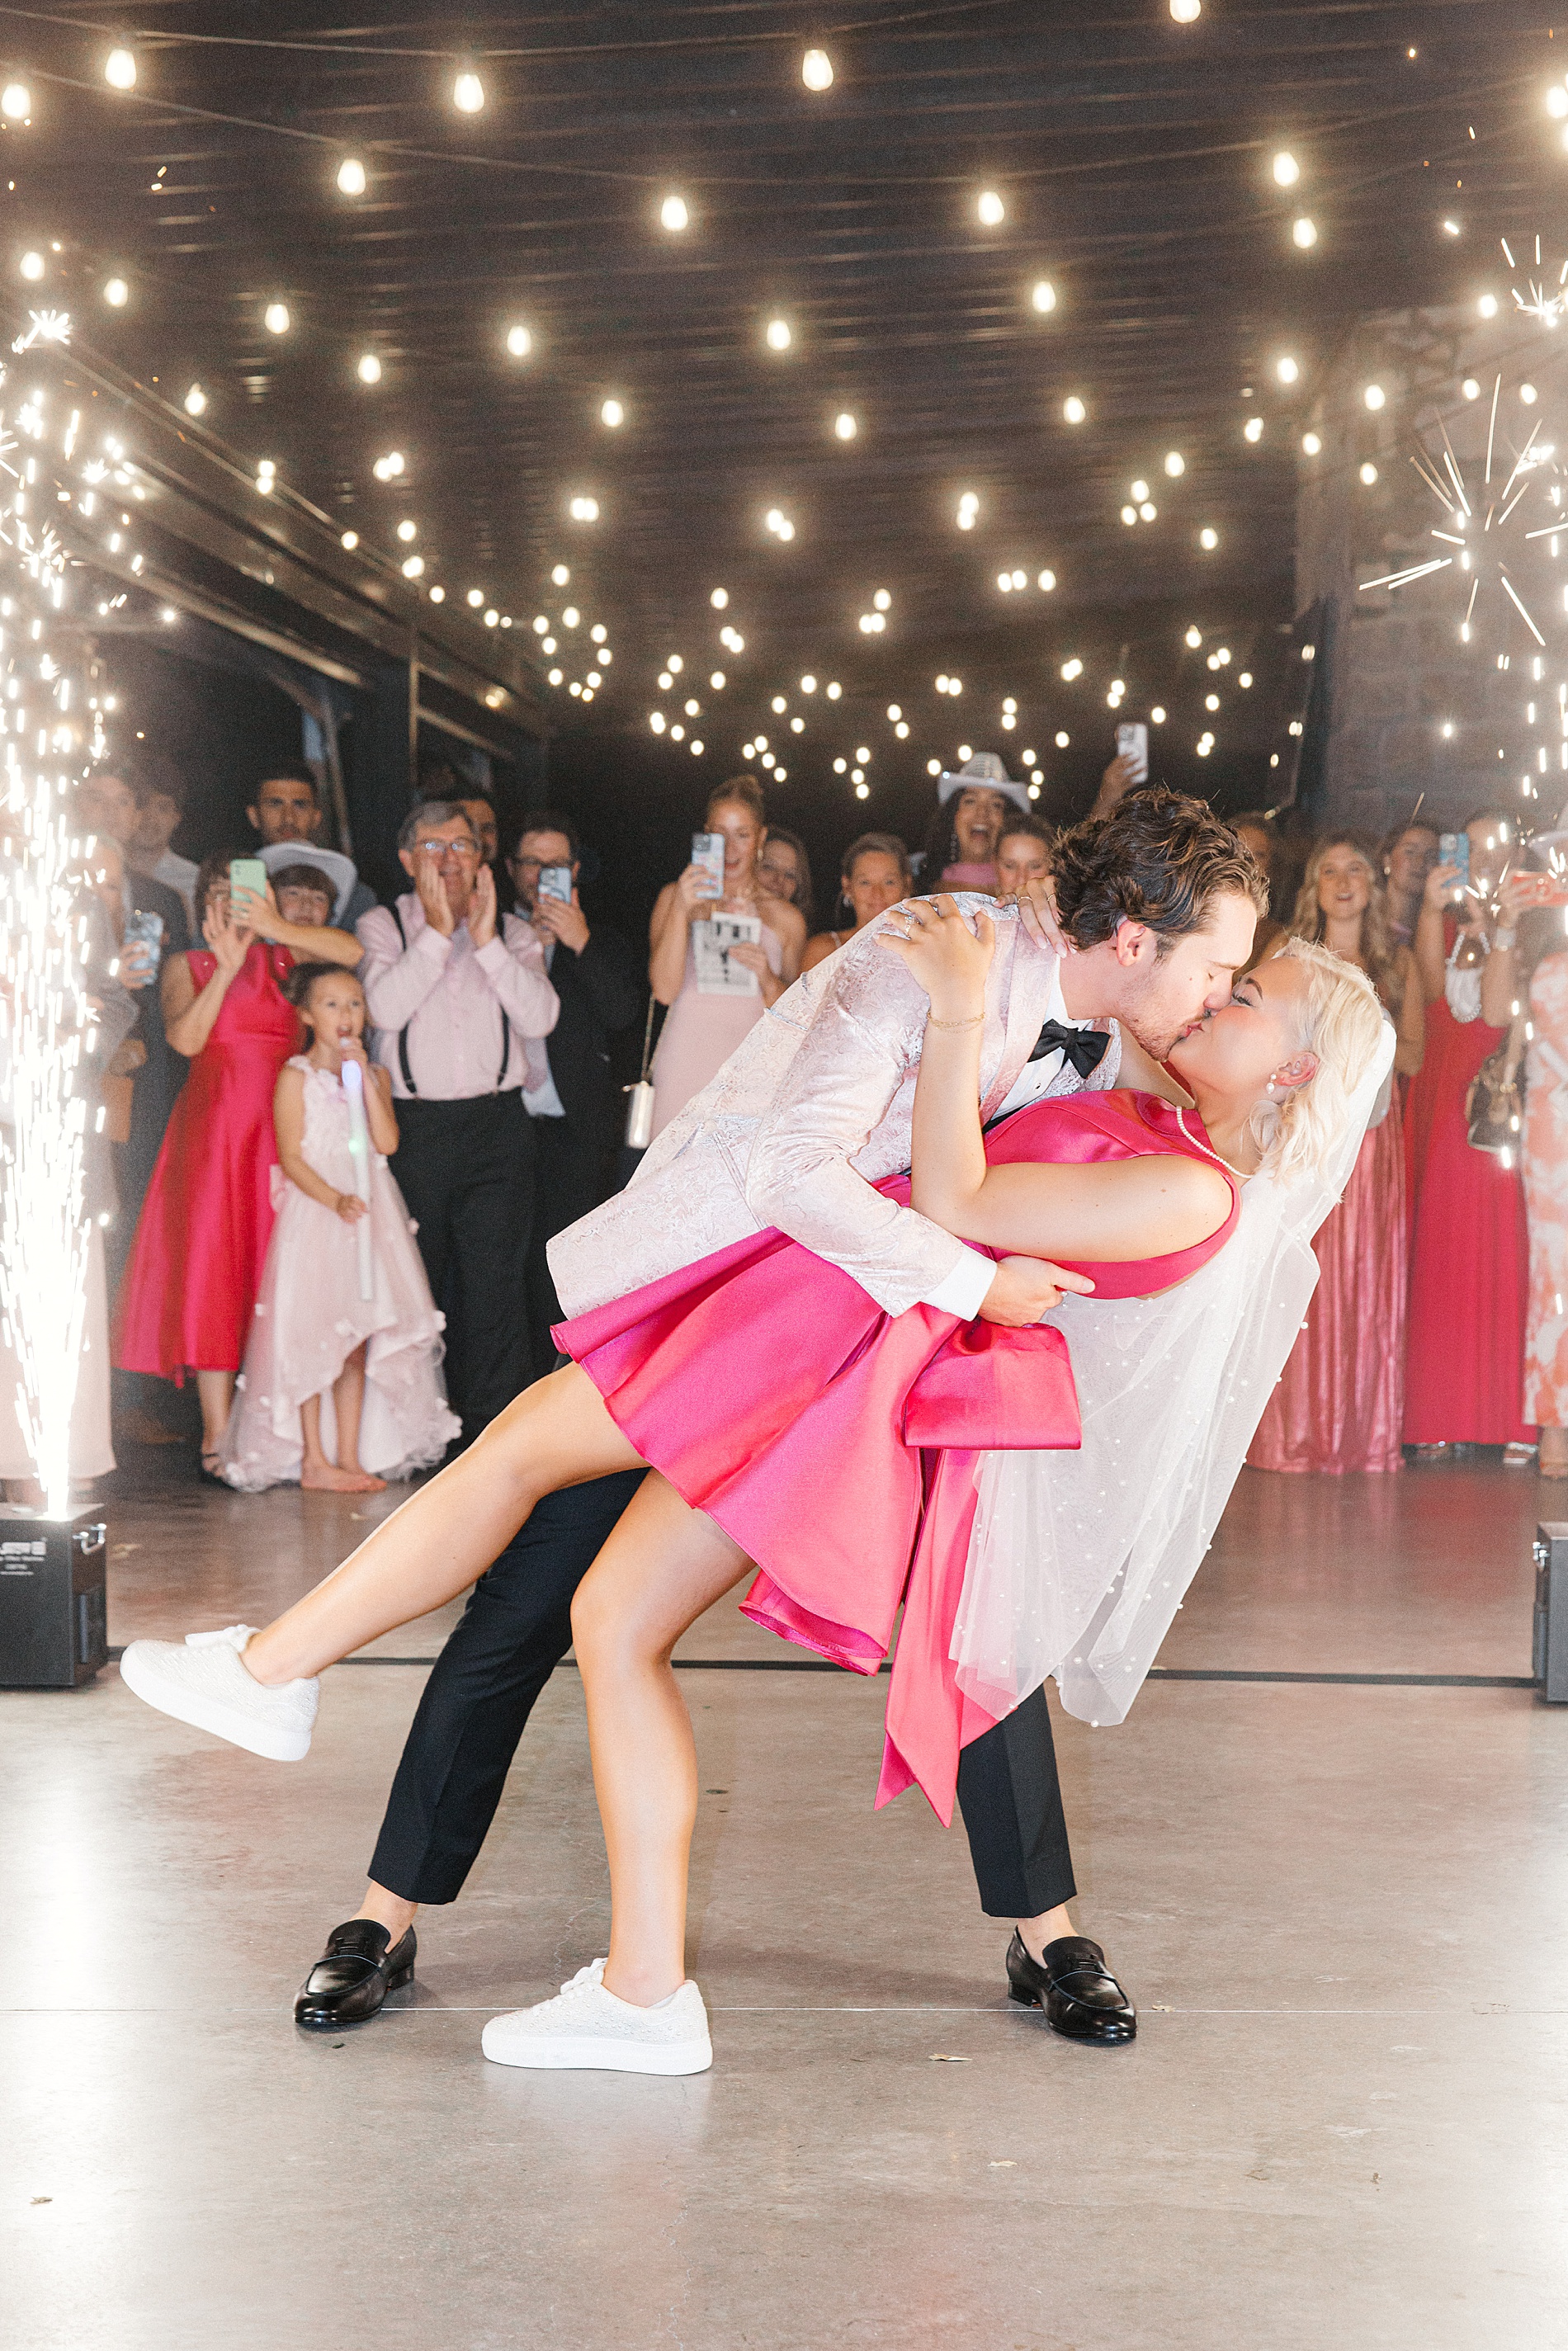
pixel 948 1439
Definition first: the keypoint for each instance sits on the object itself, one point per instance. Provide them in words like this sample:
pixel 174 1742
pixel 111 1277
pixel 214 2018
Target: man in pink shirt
pixel 454 992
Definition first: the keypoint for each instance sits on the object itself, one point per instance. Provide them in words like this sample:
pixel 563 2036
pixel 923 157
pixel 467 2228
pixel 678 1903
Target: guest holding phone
pixel 190 1285
pixel 711 1009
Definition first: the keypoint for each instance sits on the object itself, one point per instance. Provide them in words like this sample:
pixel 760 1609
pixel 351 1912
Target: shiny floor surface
pixel 1340 1905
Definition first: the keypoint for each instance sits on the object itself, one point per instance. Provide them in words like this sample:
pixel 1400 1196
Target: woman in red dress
pixel 190 1284
pixel 1470 1249
pixel 1339 1403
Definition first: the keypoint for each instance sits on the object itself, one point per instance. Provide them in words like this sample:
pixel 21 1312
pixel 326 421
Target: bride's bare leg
pixel 663 1564
pixel 556 1433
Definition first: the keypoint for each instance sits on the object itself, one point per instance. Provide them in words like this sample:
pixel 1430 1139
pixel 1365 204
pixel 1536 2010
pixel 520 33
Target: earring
pixel 1269 1090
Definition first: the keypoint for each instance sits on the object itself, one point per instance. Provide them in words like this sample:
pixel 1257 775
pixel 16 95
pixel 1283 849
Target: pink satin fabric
pixel 1340 1404
pixel 771 1391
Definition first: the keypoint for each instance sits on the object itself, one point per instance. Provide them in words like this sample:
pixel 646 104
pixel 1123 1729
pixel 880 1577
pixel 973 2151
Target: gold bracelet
pixel 977 1022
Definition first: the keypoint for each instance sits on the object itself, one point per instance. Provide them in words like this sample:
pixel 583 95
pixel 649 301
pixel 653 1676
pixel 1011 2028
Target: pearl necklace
pixel 1242 1175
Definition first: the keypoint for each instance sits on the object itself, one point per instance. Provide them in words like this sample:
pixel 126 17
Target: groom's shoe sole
pixel 1106 2020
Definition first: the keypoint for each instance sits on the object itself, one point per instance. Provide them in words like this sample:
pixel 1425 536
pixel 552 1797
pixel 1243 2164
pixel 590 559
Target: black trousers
pixel 466 1170
pixel 508 1641
pixel 571 1175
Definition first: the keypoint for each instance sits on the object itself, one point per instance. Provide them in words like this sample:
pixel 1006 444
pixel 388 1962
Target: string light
pixel 613 413
pixel 349 540
pixel 16 101
pixel 352 176
pixel 1311 444
pixel 119 69
pixel 719 599
pixel 1073 409
pixel 673 213
pixel 1253 428
pixel 368 368
pixel 1368 474
pixel 117 293
pixel 1487 306
pixel 468 93
pixel 195 401
pixel 275 318
pixel 1305 233
pixel 1375 396
pixel 777 336
pixel 1175 464
pixel 1187 12
pixel 519 342
pixel 844 425
pixel 1287 369
pixel 1043 295
pixel 1208 538
pixel 1287 170
pixel 990 208
pixel 31 266
pixel 817 69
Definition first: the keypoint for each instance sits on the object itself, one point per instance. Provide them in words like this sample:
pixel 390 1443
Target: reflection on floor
pixel 1340 1906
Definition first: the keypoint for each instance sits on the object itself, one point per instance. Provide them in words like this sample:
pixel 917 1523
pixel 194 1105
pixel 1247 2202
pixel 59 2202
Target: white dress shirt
pixel 450 996
pixel 541 1099
pixel 964 1290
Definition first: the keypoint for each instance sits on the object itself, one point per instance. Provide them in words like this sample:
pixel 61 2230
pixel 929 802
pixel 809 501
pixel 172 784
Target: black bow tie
pixel 1082 1048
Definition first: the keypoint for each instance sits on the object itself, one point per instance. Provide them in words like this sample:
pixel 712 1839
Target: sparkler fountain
pixel 51 732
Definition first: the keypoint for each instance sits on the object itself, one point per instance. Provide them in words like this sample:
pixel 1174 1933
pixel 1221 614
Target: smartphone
pixel 142 947
pixel 1454 848
pixel 247 873
pixel 1133 743
pixel 554 882
pixel 707 851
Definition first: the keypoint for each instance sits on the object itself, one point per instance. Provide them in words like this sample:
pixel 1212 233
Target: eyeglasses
pixel 461 849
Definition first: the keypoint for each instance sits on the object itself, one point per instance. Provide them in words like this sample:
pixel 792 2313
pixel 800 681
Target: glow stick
pixel 359 1153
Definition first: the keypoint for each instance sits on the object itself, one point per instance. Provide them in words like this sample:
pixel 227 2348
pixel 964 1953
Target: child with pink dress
pixel 340 1392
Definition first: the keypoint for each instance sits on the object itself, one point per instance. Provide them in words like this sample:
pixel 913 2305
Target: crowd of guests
pixel 335 1136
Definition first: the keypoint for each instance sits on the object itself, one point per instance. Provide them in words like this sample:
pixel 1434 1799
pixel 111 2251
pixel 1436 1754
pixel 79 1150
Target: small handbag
pixel 991 1390
pixel 1494 1105
pixel 640 1097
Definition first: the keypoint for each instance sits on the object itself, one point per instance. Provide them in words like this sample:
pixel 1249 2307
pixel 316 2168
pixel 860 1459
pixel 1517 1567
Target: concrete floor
pixel 1339 1906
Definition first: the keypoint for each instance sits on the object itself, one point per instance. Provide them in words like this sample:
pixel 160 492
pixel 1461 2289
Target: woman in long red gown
pixel 190 1284
pixel 1339 1403
pixel 1470 1249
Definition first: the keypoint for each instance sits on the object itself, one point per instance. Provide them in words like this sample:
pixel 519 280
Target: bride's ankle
pixel 261 1668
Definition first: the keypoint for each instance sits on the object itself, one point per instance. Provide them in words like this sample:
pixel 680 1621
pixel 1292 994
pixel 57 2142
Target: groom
pixel 1158 901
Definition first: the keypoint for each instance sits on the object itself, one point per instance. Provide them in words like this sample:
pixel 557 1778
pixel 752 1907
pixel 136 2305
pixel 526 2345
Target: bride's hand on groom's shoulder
pixel 949 958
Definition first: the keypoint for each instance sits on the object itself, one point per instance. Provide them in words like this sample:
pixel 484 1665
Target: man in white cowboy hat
pixel 973 803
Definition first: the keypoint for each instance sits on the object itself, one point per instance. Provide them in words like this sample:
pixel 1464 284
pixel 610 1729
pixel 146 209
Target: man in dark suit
pixel 570 1091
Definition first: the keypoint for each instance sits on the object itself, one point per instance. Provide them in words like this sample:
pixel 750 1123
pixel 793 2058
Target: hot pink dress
pixel 190 1285
pixel 836 1444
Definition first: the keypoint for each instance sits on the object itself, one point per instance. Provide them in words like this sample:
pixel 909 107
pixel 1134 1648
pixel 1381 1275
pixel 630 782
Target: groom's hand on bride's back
pixel 1024 1288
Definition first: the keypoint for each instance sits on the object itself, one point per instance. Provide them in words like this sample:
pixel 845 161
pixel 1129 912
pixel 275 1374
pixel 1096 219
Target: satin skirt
pixel 1340 1402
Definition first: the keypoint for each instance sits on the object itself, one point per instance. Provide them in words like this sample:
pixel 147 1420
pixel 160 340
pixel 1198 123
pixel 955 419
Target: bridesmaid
pixel 876 875
pixel 1340 1404
pixel 1468 1250
pixel 1529 964
pixel 703 1031
pixel 190 1285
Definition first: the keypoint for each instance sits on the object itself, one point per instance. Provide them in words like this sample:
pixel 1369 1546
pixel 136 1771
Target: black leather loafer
pixel 1081 1998
pixel 353 1976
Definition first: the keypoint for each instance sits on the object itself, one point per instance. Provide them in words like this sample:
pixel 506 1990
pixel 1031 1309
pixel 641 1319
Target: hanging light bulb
pixel 31 266
pixel 16 101
pixel 119 69
pixel 844 425
pixel 990 208
pixel 369 368
pixel 519 342
pixel 1304 232
pixel 1175 464
pixel 777 336
pixel 613 413
pixel 817 69
pixel 1287 369
pixel 117 293
pixel 275 318
pixel 1073 409
pixel 195 401
pixel 1287 170
pixel 351 176
pixel 672 213
pixel 1044 294
pixel 1187 12
pixel 468 92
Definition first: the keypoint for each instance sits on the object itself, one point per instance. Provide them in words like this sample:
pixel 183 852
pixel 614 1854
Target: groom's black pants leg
pixel 515 1631
pixel 1011 1801
pixel 503 1649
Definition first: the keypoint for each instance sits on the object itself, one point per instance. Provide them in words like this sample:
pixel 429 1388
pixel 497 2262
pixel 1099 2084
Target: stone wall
pixel 1412 707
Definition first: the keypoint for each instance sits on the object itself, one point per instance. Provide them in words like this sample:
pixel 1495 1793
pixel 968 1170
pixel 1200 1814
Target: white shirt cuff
pixel 963 1291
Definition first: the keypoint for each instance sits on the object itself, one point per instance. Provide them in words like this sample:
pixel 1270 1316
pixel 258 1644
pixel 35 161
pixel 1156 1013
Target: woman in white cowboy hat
pixel 973 803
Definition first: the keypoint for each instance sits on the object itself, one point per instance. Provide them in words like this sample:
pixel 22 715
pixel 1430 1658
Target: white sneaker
pixel 202 1682
pixel 586 2025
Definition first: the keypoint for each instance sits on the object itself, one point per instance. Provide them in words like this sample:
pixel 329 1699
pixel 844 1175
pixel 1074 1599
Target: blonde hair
pixel 1310 922
pixel 1342 1022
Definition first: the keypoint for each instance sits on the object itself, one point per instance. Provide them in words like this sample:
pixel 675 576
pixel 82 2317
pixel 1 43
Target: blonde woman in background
pixel 1340 1405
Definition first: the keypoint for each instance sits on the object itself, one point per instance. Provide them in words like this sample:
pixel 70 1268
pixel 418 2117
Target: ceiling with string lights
pixel 918 349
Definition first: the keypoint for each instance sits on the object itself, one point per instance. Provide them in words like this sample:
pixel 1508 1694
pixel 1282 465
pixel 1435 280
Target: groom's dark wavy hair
pixel 1159 858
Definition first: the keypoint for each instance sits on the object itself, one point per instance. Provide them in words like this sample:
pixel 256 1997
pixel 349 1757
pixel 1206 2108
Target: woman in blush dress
pixel 1340 1404
pixel 190 1284
pixel 704 1027
pixel 1469 1244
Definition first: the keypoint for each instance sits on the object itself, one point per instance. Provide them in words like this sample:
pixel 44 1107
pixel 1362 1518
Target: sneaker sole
pixel 586 2053
pixel 144 1680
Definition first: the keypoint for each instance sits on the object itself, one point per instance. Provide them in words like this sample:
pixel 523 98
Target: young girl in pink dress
pixel 328 1371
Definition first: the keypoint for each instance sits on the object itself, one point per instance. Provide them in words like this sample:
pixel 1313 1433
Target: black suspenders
pixel 402 1032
